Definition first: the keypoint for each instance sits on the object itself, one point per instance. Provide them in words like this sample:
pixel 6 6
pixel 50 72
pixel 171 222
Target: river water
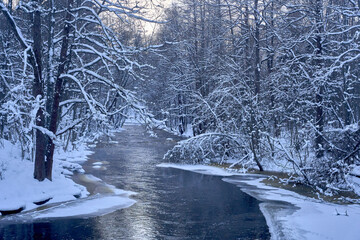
pixel 171 203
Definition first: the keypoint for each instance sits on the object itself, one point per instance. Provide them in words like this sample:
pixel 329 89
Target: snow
pixel 288 214
pixel 20 190
pixel 187 134
pixel 355 181
pixel 203 169
pixel 100 165
pixel 90 178
pixel 307 218
pixel 79 155
pixel 97 163
pixel 188 131
pixel 356 170
pixel 92 206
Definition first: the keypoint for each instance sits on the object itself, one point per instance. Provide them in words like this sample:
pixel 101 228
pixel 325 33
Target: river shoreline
pixel 290 215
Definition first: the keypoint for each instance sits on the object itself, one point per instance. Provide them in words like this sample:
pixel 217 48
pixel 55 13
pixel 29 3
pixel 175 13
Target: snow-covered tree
pixel 77 68
pixel 273 83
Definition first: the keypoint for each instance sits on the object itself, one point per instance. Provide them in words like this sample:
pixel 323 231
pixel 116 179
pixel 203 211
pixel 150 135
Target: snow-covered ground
pixel 18 188
pixel 288 214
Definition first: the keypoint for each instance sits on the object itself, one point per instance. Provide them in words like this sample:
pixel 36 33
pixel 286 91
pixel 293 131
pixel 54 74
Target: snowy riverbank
pixel 288 214
pixel 19 190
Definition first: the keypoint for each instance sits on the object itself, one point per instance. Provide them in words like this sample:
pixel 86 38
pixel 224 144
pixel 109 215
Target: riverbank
pixel 61 197
pixel 280 179
pixel 19 189
pixel 290 215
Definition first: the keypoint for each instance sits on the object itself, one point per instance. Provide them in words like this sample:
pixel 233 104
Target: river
pixel 171 203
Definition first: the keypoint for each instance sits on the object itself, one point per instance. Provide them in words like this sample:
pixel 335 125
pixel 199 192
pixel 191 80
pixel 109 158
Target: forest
pixel 272 84
pixel 268 85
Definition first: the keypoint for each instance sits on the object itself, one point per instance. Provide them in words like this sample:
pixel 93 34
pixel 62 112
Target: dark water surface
pixel 171 203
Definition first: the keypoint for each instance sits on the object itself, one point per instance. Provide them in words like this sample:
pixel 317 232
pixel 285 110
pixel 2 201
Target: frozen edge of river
pixel 288 214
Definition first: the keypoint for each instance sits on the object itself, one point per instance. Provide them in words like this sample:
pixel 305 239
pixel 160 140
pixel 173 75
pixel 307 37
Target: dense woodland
pixel 272 84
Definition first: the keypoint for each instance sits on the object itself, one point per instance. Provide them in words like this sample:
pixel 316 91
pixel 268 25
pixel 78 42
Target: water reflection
pixel 55 229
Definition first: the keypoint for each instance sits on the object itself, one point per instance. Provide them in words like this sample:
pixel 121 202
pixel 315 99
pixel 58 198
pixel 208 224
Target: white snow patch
pixel 203 169
pixel 97 163
pixel 355 181
pixel 189 132
pixel 97 167
pixel 356 170
pixel 68 168
pixel 79 155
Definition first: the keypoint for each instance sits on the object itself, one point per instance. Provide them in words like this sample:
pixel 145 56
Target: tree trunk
pixel 319 118
pixel 50 67
pixel 54 116
pixel 35 59
pixel 255 128
pixel 39 169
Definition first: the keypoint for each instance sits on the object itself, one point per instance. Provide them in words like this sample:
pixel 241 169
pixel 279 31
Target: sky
pixel 155 12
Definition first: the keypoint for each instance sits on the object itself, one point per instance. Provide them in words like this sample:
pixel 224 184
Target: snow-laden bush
pixel 208 147
pixel 342 156
pixel 295 153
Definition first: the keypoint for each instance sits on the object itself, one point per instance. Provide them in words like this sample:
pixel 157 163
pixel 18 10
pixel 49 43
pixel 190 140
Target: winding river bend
pixel 171 203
